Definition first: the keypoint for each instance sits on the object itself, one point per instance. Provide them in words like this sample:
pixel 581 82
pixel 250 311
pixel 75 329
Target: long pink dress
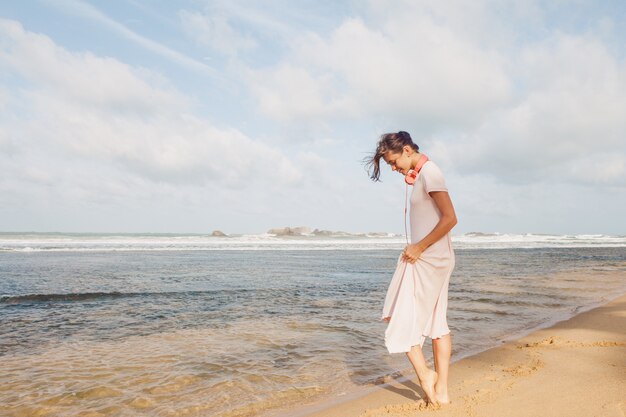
pixel 417 297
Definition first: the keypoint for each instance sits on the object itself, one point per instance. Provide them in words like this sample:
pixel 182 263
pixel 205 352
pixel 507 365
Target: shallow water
pixel 241 332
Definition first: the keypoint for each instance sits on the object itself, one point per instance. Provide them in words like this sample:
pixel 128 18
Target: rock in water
pixel 290 231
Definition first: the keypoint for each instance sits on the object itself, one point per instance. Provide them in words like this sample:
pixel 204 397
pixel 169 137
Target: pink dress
pixel 417 297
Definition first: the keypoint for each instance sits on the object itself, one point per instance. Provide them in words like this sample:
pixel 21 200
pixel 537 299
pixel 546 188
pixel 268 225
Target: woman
pixel 417 299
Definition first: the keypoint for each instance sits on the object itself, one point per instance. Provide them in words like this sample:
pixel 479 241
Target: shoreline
pixel 559 344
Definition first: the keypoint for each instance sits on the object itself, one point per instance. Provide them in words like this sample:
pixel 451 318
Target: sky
pixel 241 116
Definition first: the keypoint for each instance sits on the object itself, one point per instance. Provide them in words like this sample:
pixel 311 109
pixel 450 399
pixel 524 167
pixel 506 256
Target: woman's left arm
pixel 446 223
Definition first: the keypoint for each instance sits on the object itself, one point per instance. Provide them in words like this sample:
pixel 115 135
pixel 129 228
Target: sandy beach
pixel 575 368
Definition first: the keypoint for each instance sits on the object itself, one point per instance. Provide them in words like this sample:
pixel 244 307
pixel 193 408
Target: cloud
pixel 569 124
pixel 413 68
pixel 86 10
pixel 77 105
pixel 245 23
pixel 84 77
pixel 214 30
pixel 289 93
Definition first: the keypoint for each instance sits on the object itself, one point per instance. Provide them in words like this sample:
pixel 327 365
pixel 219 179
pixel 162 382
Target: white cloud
pixel 83 77
pixel 78 106
pixel 86 10
pixel 573 113
pixel 599 168
pixel 289 93
pixel 215 31
pixel 4 96
pixel 409 66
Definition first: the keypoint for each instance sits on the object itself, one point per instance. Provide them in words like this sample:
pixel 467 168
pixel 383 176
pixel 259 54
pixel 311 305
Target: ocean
pixel 194 325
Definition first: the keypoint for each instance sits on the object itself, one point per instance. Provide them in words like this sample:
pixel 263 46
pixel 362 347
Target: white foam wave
pixel 134 242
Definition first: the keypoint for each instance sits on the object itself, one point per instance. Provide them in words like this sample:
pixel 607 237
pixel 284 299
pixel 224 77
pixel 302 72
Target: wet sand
pixel 575 368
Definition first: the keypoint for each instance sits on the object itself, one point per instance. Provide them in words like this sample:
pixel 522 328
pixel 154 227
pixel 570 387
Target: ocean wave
pixel 38 298
pixel 82 296
pixel 147 242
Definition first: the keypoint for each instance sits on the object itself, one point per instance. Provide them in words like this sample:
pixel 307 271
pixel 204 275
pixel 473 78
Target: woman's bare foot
pixel 428 385
pixel 441 393
pixel 442 398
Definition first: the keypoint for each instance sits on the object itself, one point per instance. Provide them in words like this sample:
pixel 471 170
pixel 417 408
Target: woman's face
pixel 398 161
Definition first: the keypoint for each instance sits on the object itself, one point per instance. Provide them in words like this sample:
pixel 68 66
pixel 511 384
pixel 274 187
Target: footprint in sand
pixel 614 409
pixel 400 410
pixel 555 341
pixel 481 396
pixel 526 369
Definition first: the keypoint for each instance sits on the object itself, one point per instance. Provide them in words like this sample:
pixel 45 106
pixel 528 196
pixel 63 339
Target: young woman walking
pixel 417 298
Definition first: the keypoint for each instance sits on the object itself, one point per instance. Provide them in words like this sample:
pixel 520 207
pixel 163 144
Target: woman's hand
pixel 411 253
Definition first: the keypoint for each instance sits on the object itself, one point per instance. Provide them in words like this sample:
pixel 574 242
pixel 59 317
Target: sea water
pixel 193 325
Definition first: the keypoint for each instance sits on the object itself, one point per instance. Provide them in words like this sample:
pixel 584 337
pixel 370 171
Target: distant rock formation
pixel 218 233
pixel 381 234
pixel 290 231
pixel 306 231
pixel 318 232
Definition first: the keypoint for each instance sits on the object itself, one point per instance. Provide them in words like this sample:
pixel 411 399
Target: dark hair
pixel 393 142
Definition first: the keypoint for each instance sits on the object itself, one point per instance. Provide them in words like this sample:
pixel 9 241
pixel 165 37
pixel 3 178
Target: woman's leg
pixel 427 377
pixel 442 349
